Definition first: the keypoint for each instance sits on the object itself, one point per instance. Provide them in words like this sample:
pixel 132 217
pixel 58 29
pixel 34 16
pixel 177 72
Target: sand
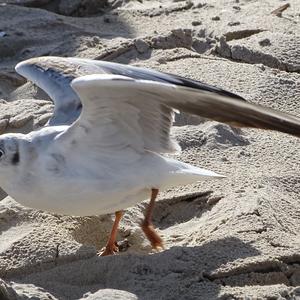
pixel 236 238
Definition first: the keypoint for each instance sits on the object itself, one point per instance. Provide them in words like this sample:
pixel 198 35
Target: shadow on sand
pixel 159 276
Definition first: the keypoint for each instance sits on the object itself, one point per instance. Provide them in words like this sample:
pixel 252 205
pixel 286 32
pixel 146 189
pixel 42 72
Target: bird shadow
pixel 180 209
pixel 146 276
pixel 94 231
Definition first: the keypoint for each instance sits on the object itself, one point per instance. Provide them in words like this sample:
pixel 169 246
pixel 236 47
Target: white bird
pixel 100 151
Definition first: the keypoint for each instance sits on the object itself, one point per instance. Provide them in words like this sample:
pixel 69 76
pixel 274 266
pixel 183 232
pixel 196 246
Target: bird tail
pixel 181 174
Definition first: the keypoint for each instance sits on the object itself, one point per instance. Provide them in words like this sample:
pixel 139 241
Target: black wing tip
pixel 204 87
pixel 231 95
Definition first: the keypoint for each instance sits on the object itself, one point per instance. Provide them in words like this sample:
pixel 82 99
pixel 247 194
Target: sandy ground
pixel 232 239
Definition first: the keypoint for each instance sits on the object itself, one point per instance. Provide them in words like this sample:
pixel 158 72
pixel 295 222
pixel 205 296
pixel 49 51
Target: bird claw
pixel 109 250
pixel 158 246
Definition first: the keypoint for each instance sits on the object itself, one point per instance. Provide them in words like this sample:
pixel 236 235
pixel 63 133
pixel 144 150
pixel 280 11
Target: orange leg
pixel 147 225
pixel 111 246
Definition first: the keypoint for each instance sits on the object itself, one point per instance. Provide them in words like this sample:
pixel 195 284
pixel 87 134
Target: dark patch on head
pixel 16 158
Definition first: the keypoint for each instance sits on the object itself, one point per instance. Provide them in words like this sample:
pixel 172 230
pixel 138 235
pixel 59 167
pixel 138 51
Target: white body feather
pixel 50 179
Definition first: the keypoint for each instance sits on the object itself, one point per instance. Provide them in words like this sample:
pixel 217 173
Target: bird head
pixel 9 150
pixel 9 156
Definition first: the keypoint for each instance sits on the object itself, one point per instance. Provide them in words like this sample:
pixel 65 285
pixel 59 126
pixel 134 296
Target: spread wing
pixel 120 112
pixel 129 106
pixel 54 75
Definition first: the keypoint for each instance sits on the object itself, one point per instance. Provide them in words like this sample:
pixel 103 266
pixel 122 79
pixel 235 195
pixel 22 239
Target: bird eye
pixel 1 153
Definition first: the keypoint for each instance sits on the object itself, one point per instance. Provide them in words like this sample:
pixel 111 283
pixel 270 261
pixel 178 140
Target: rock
pixel 234 23
pixel 202 45
pixel 108 294
pixel 223 48
pixel 177 38
pixel 24 114
pixel 68 7
pixel 200 5
pixel 27 91
pixel 283 53
pixel 141 46
pixel 196 23
pixel 202 33
pixel 237 8
pixel 265 42
pixel 216 18
pixel 81 7
pixel 241 34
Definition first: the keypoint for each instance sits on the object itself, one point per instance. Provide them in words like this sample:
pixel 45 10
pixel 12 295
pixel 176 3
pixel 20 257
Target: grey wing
pixel 54 75
pixel 126 115
pixel 51 77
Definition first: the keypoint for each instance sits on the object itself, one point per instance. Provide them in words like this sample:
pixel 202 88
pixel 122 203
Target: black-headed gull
pixel 100 151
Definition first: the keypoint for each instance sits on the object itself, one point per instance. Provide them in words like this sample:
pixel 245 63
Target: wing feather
pixel 126 114
pixel 54 76
pixel 135 122
pixel 197 102
pixel 125 106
